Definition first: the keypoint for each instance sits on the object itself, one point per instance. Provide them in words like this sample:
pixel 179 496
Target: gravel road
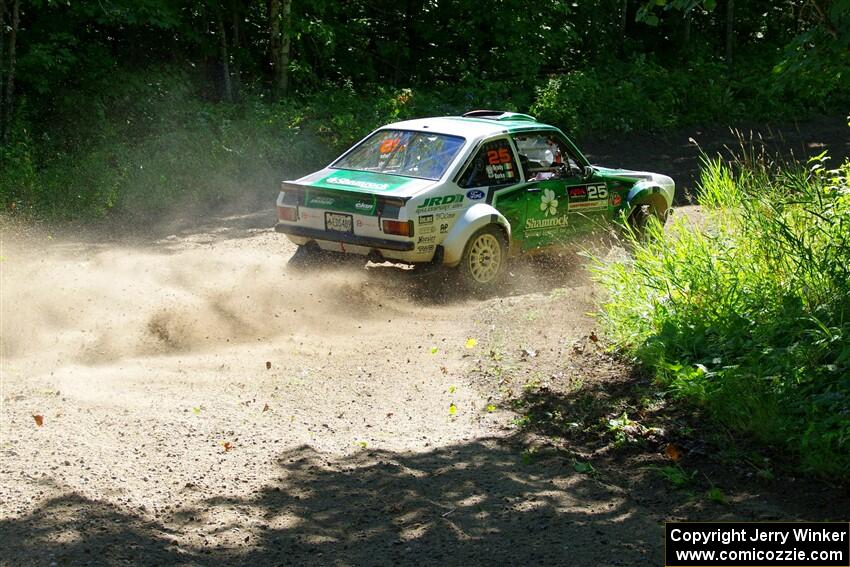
pixel 188 399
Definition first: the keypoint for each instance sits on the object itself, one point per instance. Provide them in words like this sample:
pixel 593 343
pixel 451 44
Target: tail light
pixel 287 213
pixel 401 228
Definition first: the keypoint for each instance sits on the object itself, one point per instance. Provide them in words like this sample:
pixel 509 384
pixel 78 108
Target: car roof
pixel 470 127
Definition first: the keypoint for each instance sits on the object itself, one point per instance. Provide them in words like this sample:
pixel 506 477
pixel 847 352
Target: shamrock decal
pixel 548 202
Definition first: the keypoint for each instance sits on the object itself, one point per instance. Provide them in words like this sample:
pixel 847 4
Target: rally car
pixel 465 192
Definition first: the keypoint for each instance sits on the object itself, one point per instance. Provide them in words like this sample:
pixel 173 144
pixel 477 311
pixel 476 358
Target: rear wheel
pixel 484 258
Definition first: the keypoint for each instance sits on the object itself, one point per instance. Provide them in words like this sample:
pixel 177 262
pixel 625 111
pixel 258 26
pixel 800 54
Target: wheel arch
pixel 473 219
pixel 649 194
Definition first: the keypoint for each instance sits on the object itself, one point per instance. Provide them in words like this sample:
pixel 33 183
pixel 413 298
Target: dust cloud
pixel 98 304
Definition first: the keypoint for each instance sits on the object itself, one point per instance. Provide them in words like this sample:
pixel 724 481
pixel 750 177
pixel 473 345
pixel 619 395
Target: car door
pixel 554 178
pixel 562 201
pixel 492 174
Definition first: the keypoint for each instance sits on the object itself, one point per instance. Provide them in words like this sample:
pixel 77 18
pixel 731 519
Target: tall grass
pixel 748 315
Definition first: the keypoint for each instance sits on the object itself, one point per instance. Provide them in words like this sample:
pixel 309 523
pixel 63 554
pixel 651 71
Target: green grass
pixel 749 316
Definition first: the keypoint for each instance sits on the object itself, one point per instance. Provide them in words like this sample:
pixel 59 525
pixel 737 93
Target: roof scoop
pixel 498 115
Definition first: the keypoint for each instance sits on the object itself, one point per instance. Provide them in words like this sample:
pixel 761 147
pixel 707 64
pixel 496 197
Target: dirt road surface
pixel 188 399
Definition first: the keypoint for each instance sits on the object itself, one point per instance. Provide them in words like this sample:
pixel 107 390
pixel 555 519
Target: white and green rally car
pixel 463 191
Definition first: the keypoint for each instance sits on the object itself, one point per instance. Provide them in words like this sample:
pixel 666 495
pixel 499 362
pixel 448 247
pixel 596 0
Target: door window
pixel 544 155
pixel 494 164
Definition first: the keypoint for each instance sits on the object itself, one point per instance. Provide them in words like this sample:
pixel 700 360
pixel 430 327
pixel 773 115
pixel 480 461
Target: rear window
pixel 401 152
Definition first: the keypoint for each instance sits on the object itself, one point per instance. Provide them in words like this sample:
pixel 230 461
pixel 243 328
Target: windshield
pixel 401 152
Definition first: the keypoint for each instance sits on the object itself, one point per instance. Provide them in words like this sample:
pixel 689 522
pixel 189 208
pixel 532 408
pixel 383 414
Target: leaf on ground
pixel 593 336
pixel 266 408
pixel 470 343
pixel 39 420
pixel 451 389
pixel 227 445
pixel 444 370
pixel 268 365
pixel 673 452
pixel 362 444
pixel 434 350
pixel 196 410
pixel 528 353
pixel 583 468
pixel 452 409
pixel 491 408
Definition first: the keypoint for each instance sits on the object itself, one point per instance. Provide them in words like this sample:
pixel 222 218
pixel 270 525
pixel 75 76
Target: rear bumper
pixel 353 239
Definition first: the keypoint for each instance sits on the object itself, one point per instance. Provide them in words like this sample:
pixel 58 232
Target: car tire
pixel 484 258
pixel 639 219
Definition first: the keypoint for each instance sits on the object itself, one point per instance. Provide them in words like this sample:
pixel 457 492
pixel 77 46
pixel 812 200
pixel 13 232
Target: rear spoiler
pixel 297 195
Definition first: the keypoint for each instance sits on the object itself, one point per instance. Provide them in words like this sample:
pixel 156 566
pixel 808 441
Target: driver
pixel 550 160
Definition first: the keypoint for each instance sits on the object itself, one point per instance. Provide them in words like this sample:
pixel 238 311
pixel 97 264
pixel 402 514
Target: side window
pixel 543 155
pixel 494 164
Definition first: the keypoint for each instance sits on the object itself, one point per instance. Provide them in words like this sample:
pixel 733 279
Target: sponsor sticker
pixel 577 193
pixel 444 228
pixel 475 194
pixel 423 239
pixel 324 201
pixel 616 200
pixel 426 219
pixel 442 203
pixel 587 197
pixel 427 229
pixel 544 224
pixel 424 249
pixel 357 183
pixel 588 206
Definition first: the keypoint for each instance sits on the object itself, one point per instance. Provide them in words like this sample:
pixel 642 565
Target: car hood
pixel 365 182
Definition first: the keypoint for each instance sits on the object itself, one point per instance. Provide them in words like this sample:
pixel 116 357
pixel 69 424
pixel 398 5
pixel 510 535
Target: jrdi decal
pixel 441 203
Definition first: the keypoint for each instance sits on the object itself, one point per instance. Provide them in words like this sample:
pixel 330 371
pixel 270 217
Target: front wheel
pixel 484 258
pixel 640 218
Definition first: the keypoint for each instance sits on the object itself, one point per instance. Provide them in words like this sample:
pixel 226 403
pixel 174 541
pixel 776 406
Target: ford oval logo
pixel 475 194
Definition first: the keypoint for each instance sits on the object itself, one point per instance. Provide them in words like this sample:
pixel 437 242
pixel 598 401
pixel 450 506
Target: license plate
pixel 339 223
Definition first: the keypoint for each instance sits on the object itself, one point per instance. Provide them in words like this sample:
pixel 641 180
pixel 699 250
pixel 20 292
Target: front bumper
pixel 352 239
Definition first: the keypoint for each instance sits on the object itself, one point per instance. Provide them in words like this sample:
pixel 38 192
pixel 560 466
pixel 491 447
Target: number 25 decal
pixel 495 157
pixel 597 192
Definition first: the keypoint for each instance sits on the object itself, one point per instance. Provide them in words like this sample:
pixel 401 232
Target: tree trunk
pixel 730 31
pixel 623 23
pixel 8 102
pixel 225 59
pixel 3 10
pixel 236 50
pixel 280 27
pixel 624 18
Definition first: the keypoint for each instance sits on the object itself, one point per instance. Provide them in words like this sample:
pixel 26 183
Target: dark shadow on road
pixel 469 504
pixel 485 501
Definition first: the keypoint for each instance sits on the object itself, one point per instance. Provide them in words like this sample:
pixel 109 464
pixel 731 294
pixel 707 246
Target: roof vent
pixel 499 115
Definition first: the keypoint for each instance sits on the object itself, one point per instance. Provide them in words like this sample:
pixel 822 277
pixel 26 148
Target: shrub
pixel 749 316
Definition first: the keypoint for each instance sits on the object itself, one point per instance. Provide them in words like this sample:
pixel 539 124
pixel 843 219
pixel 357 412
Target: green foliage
pixel 677 476
pixel 105 120
pixel 749 316
pixel 644 95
